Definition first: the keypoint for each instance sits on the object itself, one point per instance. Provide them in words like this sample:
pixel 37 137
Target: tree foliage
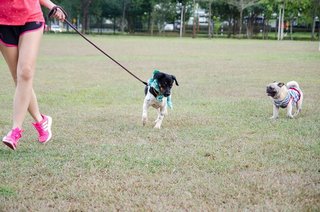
pixel 147 15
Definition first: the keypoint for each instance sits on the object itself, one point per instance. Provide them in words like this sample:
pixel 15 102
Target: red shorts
pixel 9 35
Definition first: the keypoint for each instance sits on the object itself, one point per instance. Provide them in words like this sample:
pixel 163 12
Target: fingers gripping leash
pixel 53 12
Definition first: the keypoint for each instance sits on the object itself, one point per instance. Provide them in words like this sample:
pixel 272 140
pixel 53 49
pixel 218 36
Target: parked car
pixel 169 27
pixel 55 28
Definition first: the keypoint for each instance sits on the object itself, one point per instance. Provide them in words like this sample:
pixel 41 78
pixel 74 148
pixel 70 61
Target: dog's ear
pixel 280 84
pixel 175 79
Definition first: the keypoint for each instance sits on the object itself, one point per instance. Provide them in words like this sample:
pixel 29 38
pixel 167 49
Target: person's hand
pixel 59 14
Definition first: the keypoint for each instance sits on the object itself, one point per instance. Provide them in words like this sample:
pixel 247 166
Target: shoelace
pixel 16 134
pixel 42 128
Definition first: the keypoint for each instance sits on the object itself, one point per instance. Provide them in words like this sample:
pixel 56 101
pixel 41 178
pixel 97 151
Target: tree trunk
pixel 152 23
pixel 123 16
pixel 279 23
pixel 264 34
pixel 114 25
pixel 85 15
pixel 291 29
pixel 229 27
pixel 282 24
pixel 210 25
pixel 240 23
pixel 250 25
pixel 194 20
pixel 313 28
pixel 85 21
pixel 184 20
pixel 247 29
pixel 181 21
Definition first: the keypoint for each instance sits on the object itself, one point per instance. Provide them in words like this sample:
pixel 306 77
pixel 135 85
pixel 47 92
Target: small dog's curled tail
pixel 293 84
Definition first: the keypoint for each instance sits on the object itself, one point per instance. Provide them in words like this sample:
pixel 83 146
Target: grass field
pixel 217 150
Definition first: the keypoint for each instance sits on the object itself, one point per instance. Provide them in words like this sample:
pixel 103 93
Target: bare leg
pixel 21 62
pixel 10 54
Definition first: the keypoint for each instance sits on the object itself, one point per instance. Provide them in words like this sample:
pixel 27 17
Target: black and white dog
pixel 158 95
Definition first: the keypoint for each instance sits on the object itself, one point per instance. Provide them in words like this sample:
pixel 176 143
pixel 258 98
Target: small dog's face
pixel 273 89
pixel 165 82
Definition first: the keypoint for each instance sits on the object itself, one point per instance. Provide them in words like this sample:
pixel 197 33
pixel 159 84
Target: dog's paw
pixel 273 118
pixel 290 116
pixel 296 113
pixel 157 126
pixel 144 121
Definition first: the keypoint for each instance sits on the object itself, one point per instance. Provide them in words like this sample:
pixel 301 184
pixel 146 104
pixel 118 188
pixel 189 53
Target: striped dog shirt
pixel 293 94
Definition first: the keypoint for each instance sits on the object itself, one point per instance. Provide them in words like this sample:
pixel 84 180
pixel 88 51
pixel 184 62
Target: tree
pixel 224 12
pixel 210 21
pixel 162 13
pixel 241 5
pixel 294 7
pixel 135 11
pixel 83 9
pixel 186 9
pixel 112 9
pixel 315 12
pixel 150 13
pixel 269 7
pixel 85 5
pixel 253 19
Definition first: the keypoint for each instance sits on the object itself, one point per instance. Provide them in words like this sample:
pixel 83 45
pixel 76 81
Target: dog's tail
pixel 293 84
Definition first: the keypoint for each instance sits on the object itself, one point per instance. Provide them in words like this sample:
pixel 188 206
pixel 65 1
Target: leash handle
pixel 54 10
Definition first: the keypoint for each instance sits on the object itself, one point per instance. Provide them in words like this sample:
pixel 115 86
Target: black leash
pixel 54 10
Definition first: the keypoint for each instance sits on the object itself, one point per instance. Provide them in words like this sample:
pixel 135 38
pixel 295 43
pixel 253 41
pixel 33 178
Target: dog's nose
pixel 166 94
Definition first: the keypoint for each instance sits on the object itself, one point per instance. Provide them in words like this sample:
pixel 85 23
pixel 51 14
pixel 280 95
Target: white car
pixel 168 27
pixel 55 28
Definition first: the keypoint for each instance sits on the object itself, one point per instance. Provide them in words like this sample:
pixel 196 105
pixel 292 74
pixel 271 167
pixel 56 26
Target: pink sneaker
pixel 44 129
pixel 12 138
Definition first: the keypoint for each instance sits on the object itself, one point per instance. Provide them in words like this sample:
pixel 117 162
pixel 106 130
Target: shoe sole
pixel 9 144
pixel 49 130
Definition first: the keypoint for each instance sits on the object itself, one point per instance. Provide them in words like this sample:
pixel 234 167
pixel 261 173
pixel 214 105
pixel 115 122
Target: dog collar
pixel 153 91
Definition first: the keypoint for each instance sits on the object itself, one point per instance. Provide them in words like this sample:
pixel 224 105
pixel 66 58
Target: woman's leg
pixel 10 54
pixel 29 44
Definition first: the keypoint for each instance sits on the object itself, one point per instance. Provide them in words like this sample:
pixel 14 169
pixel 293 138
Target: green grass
pixel 217 150
pixel 6 192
